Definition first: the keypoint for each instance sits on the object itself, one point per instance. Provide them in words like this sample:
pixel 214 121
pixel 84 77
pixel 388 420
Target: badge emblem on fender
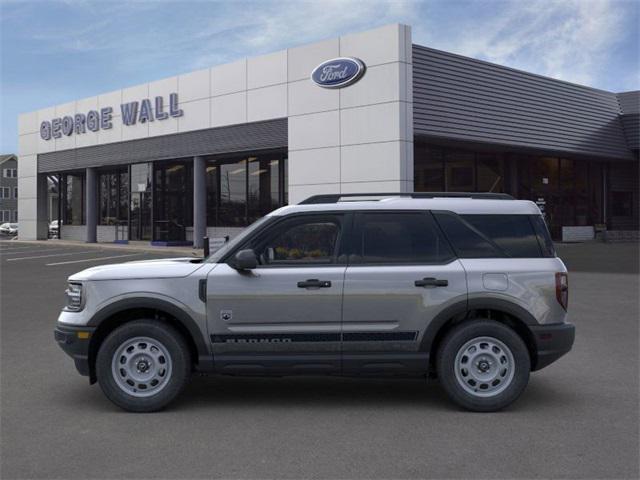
pixel 226 315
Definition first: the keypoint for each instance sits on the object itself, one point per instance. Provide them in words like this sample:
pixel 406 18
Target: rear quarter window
pixel 486 236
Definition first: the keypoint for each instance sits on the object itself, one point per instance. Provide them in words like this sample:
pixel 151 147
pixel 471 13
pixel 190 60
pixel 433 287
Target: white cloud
pixel 570 40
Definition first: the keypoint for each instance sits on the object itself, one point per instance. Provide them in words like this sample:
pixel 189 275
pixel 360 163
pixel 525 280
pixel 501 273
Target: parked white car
pixel 9 228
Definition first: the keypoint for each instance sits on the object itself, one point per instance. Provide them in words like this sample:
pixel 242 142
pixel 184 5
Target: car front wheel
pixel 143 365
pixel 483 365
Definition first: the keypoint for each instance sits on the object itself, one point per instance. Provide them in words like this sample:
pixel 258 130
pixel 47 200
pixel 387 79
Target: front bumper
pixel 75 343
pixel 552 342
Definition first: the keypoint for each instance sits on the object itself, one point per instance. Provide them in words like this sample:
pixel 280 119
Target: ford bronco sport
pixel 463 287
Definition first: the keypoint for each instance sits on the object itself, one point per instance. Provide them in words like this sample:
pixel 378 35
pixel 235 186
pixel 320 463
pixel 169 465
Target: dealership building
pixel 208 152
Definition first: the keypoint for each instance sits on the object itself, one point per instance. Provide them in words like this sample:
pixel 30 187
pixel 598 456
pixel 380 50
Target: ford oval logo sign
pixel 338 73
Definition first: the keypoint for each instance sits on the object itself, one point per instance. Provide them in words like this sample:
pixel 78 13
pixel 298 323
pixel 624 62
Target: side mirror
pixel 245 260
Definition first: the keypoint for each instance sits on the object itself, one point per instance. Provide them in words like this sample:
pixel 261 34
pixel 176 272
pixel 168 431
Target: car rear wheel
pixel 143 365
pixel 483 365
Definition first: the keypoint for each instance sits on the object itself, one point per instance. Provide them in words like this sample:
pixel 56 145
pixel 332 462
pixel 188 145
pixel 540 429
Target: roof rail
pixel 336 197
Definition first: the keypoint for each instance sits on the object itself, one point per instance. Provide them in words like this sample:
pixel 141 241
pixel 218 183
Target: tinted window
pixel 483 236
pixel 400 238
pixel 467 242
pixel 301 241
pixel 544 238
pixel 514 234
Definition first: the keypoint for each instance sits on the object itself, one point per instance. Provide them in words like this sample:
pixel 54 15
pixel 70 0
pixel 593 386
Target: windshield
pixel 227 247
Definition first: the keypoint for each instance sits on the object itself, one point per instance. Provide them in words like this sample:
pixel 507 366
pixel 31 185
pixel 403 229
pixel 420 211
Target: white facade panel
pixel 162 88
pixel 229 78
pixel 113 134
pixel 371 124
pixel 298 193
pixel 27 166
pixel 266 103
pixel 267 70
pixel 229 109
pixel 166 126
pixel 315 130
pixel 306 97
pixel 316 166
pixel 28 144
pixel 372 162
pixel 194 85
pixel 131 132
pixel 197 115
pixel 382 85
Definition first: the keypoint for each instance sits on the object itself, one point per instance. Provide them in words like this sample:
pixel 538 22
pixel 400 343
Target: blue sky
pixel 57 51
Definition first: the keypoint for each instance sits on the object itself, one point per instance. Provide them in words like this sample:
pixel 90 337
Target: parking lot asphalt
pixel 578 418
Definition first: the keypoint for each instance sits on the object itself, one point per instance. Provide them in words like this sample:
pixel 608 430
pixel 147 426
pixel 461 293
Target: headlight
pixel 74 297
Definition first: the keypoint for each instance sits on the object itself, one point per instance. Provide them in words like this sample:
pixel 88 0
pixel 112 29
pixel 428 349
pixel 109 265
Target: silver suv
pixel 463 287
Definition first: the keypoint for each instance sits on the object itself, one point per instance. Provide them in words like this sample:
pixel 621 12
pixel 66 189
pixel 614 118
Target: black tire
pixel 446 365
pixel 177 379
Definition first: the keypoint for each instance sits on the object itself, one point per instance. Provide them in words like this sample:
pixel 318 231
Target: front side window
pixel 398 237
pixel 312 240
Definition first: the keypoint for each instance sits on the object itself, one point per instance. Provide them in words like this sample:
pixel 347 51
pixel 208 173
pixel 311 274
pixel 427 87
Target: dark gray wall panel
pixel 470 100
pixel 629 101
pixel 236 138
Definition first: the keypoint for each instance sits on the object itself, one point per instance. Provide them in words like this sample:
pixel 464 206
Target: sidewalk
pixel 130 247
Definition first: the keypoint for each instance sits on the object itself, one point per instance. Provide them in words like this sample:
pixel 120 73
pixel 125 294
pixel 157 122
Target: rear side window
pixel 399 237
pixel 467 241
pixel 544 238
pixel 482 236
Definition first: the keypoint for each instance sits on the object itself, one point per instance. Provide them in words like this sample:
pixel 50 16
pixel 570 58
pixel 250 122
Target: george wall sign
pixel 94 120
pixel 339 72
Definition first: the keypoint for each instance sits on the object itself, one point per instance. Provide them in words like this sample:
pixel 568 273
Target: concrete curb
pixel 183 251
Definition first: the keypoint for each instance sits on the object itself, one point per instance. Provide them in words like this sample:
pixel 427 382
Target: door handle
pixel 431 282
pixel 314 283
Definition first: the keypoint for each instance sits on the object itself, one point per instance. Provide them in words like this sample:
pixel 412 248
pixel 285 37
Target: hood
pixel 163 268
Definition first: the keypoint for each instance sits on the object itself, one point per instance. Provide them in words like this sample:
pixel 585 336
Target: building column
pixel 199 201
pixel 91 205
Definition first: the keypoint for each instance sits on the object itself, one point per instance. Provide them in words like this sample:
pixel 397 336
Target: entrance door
pixel 140 216
pixel 402 273
pixel 285 315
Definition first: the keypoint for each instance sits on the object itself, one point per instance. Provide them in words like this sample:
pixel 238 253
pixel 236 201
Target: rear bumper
pixel 75 343
pixel 552 342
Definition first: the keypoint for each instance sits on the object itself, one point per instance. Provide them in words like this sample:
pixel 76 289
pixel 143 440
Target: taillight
pixel 562 289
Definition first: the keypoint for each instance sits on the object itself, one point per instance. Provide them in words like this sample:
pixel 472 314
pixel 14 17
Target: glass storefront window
pixel 173 200
pixel 73 199
pixel 428 170
pixel 459 172
pixel 113 195
pixel 241 190
pixel 490 174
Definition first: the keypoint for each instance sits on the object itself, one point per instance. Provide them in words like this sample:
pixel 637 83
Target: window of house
pixel 10 173
pixel 6 214
pixel 15 215
pixel 5 192
pixel 15 192
pixel 392 238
